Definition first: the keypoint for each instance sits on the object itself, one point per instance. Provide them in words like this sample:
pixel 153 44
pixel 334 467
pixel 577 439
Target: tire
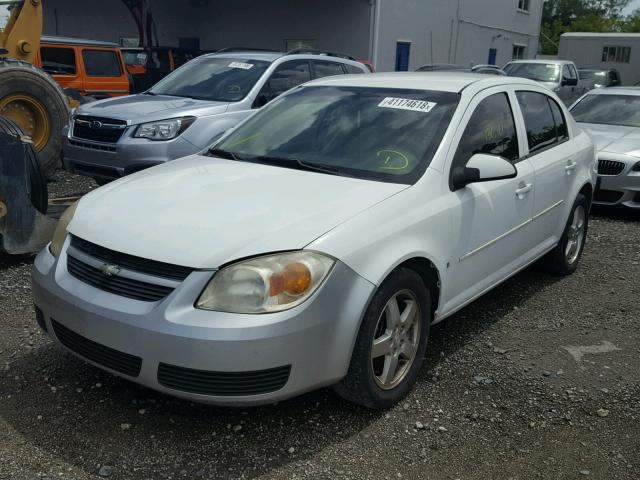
pixel 19 78
pixel 37 181
pixel 561 261
pixel 365 381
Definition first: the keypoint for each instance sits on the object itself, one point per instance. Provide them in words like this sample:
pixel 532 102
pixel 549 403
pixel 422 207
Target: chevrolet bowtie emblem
pixel 109 270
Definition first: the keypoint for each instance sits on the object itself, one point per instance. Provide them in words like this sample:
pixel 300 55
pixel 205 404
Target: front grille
pixel 93 146
pixel 108 357
pixel 98 129
pixel 223 383
pixel 130 262
pixel 610 167
pixel 607 196
pixel 118 285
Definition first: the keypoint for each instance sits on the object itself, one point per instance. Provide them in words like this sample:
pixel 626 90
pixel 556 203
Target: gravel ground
pixel 538 379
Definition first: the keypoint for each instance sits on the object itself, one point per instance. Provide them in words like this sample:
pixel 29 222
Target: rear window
pixel 58 61
pixel 327 69
pixel 353 69
pixel 101 63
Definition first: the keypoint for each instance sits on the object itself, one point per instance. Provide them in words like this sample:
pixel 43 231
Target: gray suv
pixel 188 110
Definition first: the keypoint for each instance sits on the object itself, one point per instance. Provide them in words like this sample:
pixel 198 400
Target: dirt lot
pixel 539 379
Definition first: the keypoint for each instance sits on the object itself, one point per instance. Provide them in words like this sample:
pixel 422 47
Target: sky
pixel 633 4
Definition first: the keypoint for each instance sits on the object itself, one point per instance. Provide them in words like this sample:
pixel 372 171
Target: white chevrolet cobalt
pixel 317 242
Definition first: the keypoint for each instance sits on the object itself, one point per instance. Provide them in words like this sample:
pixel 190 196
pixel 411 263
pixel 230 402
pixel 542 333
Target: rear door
pixel 105 75
pixel 492 220
pixel 551 153
pixel 286 76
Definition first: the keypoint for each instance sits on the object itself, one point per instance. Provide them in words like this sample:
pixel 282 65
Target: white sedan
pixel 316 243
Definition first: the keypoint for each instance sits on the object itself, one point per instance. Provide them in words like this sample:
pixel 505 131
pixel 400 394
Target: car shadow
pixel 624 214
pixel 87 418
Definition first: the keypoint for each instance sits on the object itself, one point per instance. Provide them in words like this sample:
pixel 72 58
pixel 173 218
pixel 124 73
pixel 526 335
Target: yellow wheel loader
pixel 33 112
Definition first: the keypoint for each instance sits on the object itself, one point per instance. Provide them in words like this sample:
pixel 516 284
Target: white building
pixel 619 51
pixel 393 34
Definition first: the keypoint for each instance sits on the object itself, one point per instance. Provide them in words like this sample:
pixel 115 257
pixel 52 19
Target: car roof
pixel 446 81
pixel 539 60
pixel 271 56
pixel 76 41
pixel 615 91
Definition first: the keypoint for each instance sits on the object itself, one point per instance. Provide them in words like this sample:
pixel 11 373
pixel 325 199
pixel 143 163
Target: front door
pixel 403 50
pixel 492 221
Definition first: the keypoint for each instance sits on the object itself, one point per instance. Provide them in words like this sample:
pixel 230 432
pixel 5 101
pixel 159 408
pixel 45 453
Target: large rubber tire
pixel 17 77
pixel 557 262
pixel 37 181
pixel 360 386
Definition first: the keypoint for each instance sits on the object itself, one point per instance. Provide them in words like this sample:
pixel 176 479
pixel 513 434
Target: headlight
pixel 164 129
pixel 55 247
pixel 266 284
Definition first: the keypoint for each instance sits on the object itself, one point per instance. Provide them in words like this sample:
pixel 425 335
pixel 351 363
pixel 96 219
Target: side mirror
pixel 569 82
pixel 482 168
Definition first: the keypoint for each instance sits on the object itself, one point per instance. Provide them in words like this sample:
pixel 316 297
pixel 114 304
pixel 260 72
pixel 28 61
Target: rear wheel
pixel 391 343
pixel 564 258
pixel 36 103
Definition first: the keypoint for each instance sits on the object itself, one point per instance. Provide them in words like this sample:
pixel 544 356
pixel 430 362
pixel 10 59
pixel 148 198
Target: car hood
pixel 203 212
pixel 614 138
pixel 147 108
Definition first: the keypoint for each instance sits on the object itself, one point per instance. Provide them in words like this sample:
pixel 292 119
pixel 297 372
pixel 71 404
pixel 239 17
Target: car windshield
pixel 372 133
pixel 621 110
pixel 221 79
pixel 541 72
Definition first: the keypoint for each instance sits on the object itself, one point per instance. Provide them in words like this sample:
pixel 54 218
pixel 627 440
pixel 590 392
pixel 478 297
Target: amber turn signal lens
pixel 295 279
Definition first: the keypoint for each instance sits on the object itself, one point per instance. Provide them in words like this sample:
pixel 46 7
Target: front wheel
pixel 564 258
pixel 391 343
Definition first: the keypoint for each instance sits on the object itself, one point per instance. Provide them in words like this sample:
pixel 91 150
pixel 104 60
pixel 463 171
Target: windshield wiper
pixel 218 152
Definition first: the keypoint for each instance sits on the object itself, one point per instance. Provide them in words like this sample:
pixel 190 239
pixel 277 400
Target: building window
pixel 616 54
pixel 518 52
pixel 523 5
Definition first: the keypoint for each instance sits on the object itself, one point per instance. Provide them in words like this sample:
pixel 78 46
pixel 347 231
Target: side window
pixel 538 120
pixel 562 132
pixel 327 69
pixel 491 130
pixel 289 75
pixel 569 72
pixel 352 69
pixel 285 77
pixel 101 63
pixel 58 61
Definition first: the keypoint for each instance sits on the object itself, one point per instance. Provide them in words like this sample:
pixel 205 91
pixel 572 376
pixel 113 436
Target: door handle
pixel 570 166
pixel 523 189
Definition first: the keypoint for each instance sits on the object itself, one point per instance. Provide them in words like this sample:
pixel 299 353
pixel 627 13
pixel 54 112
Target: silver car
pixel 612 117
pixel 187 110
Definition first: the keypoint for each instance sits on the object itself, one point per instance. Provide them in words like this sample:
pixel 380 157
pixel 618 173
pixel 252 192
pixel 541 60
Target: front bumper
pixel 621 190
pixel 315 339
pixel 110 161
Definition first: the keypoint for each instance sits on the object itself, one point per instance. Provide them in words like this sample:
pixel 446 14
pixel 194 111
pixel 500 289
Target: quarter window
pixel 538 119
pixel 352 69
pixel 327 69
pixel 58 61
pixel 491 130
pixel 101 63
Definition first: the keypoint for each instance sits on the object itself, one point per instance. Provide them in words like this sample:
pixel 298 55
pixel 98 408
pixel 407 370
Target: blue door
pixel 402 56
pixel 492 56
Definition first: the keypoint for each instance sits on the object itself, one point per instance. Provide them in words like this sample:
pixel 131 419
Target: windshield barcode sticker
pixel 244 66
pixel 407 104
